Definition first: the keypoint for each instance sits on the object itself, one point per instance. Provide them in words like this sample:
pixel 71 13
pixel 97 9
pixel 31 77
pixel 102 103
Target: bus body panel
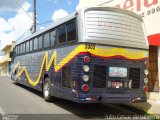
pixel 115 44
pixel 72 56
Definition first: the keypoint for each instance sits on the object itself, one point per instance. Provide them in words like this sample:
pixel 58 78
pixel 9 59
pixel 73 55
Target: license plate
pixel 117 84
pixel 117 72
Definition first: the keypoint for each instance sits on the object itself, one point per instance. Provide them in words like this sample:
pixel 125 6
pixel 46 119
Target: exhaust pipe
pixel 99 98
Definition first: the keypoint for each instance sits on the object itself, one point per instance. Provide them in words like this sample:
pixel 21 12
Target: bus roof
pixel 117 10
pixel 60 21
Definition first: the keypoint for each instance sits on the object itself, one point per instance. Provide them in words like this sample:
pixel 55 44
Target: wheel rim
pixel 46 90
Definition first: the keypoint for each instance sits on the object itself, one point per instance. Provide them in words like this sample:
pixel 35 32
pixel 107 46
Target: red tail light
pixel 85 87
pixel 146 64
pixel 145 89
pixel 87 59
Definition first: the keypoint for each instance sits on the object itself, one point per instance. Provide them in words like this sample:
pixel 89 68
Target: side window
pixel 71 31
pixel 17 50
pixel 53 37
pixel 20 49
pixel 24 47
pixel 40 42
pixel 36 44
pixel 46 40
pixel 27 46
pixel 66 77
pixel 62 34
pixel 30 44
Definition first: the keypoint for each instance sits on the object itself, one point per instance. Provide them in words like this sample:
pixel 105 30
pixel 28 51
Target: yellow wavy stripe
pixel 49 63
pixel 81 48
pixel 119 51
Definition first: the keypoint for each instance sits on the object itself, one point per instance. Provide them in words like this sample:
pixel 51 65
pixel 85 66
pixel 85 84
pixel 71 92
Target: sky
pixel 16 16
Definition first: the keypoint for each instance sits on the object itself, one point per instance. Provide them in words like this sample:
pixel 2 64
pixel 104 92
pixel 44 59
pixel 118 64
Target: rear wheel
pixel 14 78
pixel 46 90
pixel 15 81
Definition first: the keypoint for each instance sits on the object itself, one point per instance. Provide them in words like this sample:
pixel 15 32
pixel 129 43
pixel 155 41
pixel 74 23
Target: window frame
pixel 20 52
pixel 27 51
pixel 74 41
pixel 55 37
pixel 47 32
pixel 58 34
pixel 31 45
pixel 24 47
pixel 75 29
pixel 56 41
pixel 39 42
pixel 34 44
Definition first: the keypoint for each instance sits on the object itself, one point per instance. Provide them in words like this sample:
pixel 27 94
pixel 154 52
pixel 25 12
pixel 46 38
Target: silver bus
pixel 96 55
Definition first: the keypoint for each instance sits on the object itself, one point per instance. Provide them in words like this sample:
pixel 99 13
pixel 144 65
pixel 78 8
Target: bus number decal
pixel 89 46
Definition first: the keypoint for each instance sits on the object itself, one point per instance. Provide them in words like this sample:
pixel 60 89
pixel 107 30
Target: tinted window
pixel 71 31
pixel 46 40
pixel 31 47
pixel 17 49
pixel 21 49
pixel 27 46
pixel 40 42
pixel 53 37
pixel 36 44
pixel 24 47
pixel 62 34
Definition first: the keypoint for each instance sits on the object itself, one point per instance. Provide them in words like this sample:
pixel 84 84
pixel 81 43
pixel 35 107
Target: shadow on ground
pixel 88 111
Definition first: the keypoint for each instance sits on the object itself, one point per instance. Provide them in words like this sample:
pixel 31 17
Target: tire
pixel 47 90
pixel 11 76
pixel 14 79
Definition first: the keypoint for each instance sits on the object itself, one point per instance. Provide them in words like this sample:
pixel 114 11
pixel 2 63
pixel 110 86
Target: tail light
pixel 145 89
pixel 145 80
pixel 146 72
pixel 146 64
pixel 85 78
pixel 85 88
pixel 86 59
pixel 86 68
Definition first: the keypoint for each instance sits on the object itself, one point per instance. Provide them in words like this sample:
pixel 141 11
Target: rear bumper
pixel 111 98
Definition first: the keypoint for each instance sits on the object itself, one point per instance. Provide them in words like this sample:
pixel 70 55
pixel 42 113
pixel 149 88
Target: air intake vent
pixel 134 74
pixel 99 77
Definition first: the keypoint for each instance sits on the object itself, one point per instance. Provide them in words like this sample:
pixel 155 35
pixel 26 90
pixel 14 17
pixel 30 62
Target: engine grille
pixel 99 77
pixel 134 74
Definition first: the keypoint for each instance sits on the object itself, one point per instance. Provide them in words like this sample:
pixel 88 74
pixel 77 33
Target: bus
pixel 95 55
